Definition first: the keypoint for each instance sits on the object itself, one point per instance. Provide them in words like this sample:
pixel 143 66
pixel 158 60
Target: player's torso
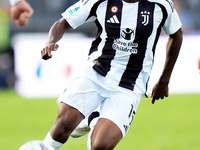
pixel 129 33
pixel 128 27
pixel 127 36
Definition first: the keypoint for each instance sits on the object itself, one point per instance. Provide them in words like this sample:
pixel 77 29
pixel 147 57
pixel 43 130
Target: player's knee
pixel 67 119
pixel 102 145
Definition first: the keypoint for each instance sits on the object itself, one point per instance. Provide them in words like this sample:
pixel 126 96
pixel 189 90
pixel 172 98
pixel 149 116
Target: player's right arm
pixel 73 17
pixel 55 34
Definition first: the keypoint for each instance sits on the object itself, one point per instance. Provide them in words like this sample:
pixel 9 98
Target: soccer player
pixel 118 66
pixel 20 11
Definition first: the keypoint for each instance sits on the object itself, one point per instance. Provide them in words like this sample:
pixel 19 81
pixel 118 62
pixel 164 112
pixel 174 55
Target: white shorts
pixel 86 93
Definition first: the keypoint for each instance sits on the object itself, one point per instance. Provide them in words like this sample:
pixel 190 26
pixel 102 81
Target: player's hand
pixel 46 52
pixel 160 90
pixel 21 13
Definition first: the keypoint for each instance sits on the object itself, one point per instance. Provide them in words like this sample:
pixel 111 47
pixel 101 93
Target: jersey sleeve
pixel 172 23
pixel 79 13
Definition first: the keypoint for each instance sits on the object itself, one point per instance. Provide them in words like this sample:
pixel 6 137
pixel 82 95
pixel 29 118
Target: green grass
pixel 170 124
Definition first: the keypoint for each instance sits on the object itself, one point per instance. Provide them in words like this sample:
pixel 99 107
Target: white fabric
pixel 87 92
pixel 50 141
pixel 13 2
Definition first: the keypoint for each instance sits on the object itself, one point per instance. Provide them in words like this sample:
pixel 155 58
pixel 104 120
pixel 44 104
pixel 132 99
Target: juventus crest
pixel 145 15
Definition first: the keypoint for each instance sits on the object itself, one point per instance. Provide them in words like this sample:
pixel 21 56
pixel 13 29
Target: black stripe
pixel 94 8
pixel 145 94
pixel 164 11
pixel 113 31
pixel 96 42
pixel 143 32
pixel 165 15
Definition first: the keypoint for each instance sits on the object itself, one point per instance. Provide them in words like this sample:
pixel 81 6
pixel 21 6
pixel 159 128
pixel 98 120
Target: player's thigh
pixel 82 94
pixel 106 135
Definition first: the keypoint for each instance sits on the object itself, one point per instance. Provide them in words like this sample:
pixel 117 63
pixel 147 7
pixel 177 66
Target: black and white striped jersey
pixel 127 36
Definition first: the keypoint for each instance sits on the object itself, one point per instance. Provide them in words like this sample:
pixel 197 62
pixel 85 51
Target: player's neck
pixel 131 1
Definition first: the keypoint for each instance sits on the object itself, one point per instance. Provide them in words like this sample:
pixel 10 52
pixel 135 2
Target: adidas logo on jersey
pixel 113 19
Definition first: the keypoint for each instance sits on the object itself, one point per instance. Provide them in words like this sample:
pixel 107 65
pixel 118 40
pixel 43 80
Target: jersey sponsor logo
pixel 145 15
pixel 127 34
pixel 72 11
pixel 113 19
pixel 125 46
pixel 114 9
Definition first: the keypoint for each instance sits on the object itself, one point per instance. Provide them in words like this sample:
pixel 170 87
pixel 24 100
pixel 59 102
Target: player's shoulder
pixel 168 4
pixel 164 2
pixel 91 2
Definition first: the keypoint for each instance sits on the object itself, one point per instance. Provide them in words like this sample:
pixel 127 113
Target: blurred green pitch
pixel 170 124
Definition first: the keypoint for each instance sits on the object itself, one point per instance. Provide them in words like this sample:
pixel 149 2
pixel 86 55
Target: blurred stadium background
pixel 29 86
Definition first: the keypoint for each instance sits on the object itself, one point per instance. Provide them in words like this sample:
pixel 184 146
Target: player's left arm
pixel 160 90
